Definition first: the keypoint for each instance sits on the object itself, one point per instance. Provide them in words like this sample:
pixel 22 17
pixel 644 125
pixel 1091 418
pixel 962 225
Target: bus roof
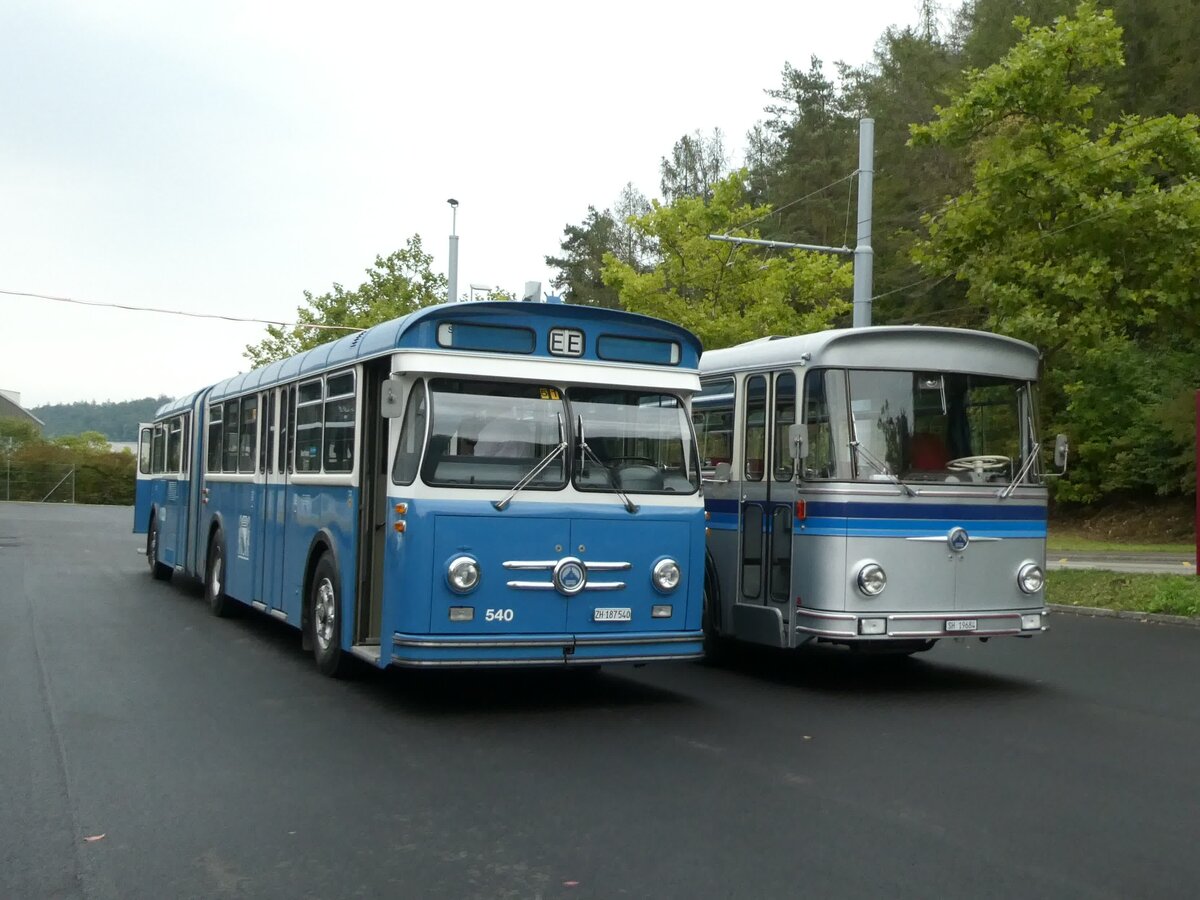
pixel 505 329
pixel 913 347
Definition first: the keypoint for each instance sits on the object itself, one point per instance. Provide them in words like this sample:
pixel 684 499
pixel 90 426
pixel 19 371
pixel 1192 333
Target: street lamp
pixel 479 287
pixel 452 278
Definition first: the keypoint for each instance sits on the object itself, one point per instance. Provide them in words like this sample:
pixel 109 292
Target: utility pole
pixel 452 278
pixel 863 254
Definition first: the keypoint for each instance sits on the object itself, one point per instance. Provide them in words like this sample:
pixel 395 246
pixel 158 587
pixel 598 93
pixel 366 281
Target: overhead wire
pixel 178 312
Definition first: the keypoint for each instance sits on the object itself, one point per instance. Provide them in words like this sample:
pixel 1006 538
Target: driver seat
pixel 928 452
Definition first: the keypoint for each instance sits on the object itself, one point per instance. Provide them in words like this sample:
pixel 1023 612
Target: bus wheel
pixel 160 571
pixel 219 603
pixel 324 618
pixel 716 647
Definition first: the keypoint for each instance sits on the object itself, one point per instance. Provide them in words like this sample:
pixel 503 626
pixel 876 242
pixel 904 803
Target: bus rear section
pixel 883 488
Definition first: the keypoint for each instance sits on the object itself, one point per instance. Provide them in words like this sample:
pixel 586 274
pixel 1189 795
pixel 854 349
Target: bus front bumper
pixel 424 650
pixel 885 626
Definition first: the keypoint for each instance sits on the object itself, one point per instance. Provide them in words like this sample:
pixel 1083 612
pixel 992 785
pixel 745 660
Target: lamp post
pixel 479 287
pixel 452 277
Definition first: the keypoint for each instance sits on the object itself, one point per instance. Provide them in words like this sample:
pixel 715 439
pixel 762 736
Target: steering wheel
pixel 632 460
pixel 987 462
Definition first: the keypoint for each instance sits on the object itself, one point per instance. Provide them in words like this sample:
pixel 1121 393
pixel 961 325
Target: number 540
pixel 498 615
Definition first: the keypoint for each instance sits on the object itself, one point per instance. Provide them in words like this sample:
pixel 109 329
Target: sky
pixel 223 157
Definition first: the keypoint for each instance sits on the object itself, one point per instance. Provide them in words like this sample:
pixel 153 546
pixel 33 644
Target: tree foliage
pixel 1074 233
pixel 723 293
pixel 695 165
pixel 116 420
pixel 584 246
pixel 396 285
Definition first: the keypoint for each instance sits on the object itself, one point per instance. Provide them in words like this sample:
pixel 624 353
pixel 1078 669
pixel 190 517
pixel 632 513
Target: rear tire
pixel 325 620
pixel 160 571
pixel 220 604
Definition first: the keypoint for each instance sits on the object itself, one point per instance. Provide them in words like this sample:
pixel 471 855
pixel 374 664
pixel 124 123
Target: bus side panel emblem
pixel 958 539
pixel 570 576
pixel 566 342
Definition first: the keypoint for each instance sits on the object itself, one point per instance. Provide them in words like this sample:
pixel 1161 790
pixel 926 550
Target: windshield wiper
pixel 1005 493
pixel 630 506
pixel 881 468
pixel 536 470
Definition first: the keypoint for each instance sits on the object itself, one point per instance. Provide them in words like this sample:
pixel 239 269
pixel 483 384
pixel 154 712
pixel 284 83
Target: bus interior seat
pixel 928 452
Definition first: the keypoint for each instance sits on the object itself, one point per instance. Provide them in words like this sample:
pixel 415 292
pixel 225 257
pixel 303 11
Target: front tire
pixel 325 620
pixel 220 604
pixel 716 647
pixel 160 571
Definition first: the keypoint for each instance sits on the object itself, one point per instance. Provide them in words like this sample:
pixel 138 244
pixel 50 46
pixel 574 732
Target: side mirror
pixel 722 472
pixel 1062 449
pixel 799 440
pixel 391 398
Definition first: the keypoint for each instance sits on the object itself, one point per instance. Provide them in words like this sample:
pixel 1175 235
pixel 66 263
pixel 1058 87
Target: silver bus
pixel 876 487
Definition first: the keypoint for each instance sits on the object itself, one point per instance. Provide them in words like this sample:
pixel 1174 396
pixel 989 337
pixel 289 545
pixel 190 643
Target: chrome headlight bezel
pixel 463 574
pixel 871 579
pixel 1031 572
pixel 666 576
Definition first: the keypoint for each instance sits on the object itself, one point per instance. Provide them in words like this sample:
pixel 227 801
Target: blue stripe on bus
pixel 849 509
pixel 846 527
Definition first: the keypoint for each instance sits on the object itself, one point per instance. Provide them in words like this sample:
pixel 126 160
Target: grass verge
pixel 1176 595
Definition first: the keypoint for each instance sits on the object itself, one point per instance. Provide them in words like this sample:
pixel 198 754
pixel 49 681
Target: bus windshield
pixel 919 426
pixel 491 434
pixel 640 442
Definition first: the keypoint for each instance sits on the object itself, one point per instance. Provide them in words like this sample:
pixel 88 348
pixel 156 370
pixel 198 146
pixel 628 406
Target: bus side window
pixel 144 450
pixel 248 436
pixel 158 450
pixel 712 415
pixel 785 416
pixel 756 427
pixel 309 426
pixel 174 444
pixel 826 424
pixel 215 437
pixel 186 434
pixel 339 423
pixel 229 453
pixel 412 436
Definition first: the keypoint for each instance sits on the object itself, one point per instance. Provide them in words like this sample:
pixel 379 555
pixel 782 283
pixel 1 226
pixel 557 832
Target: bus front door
pixel 142 498
pixel 766 509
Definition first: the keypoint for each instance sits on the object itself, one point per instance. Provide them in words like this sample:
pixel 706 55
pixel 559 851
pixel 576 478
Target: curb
pixel 1155 618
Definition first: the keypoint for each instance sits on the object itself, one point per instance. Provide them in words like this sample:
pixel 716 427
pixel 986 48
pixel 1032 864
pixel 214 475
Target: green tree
pixel 1064 238
pixel 695 165
pixel 584 247
pixel 1076 234
pixel 581 264
pixel 724 293
pixel 396 285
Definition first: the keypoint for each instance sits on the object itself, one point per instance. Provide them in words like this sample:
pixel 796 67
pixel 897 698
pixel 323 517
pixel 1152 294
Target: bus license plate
pixel 961 624
pixel 612 614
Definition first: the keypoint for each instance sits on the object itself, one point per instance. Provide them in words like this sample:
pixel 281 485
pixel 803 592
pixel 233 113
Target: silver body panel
pixel 930 584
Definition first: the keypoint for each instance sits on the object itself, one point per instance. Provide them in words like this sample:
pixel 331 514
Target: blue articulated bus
pixel 474 484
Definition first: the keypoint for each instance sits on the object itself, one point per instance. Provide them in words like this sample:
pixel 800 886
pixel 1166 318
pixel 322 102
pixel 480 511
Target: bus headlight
pixel 1030 578
pixel 872 579
pixel 666 575
pixel 462 574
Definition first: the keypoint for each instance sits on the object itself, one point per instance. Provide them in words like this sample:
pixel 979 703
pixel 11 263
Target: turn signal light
pixel 399 526
pixel 401 509
pixel 801 509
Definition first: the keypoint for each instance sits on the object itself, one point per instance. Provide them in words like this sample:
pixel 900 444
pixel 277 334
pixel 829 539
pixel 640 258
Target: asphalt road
pixel 216 762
